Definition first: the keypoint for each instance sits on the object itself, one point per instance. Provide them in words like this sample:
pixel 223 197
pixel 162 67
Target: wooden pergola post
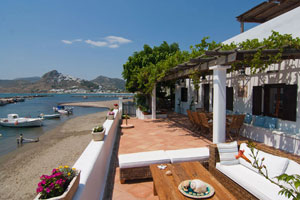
pixel 242 27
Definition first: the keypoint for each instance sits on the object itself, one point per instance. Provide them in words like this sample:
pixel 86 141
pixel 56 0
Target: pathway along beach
pixel 20 170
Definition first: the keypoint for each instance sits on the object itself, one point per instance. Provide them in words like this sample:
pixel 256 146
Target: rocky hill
pixel 54 81
pixel 110 83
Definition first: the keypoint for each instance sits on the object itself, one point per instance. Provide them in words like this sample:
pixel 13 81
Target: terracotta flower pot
pixel 69 192
pixel 98 136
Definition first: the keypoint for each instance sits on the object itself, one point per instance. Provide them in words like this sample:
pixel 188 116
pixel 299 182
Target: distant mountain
pixel 10 83
pixel 30 79
pixel 54 81
pixel 110 83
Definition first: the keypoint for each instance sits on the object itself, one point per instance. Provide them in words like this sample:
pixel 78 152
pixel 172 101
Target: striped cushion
pixel 227 152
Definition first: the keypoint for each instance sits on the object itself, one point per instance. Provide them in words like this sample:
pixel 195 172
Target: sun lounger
pixel 136 165
pixel 188 155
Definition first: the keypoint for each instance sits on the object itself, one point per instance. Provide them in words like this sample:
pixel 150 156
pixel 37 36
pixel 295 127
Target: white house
pixel 274 93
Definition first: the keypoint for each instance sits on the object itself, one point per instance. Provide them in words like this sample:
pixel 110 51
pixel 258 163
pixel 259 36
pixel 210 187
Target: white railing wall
pixel 94 162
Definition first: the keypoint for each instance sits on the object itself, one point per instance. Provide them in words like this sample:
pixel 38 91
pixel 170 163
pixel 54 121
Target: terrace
pixel 175 131
pixel 150 135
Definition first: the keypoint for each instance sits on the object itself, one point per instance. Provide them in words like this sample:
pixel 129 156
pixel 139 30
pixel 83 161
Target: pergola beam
pixel 226 58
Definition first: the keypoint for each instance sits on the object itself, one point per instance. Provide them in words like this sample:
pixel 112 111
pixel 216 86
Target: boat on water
pixel 13 120
pixel 63 109
pixel 50 116
pixel 65 112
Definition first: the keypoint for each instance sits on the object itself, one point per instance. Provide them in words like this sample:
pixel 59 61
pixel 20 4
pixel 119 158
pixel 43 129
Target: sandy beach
pixel 21 169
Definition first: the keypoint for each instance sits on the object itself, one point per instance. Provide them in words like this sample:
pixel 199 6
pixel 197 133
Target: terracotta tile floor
pixel 149 135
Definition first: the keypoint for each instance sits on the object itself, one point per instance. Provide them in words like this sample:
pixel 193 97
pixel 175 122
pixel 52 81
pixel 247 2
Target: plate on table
pixel 190 193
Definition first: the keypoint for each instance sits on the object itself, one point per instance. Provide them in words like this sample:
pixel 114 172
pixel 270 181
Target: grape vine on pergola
pixel 219 61
pixel 225 58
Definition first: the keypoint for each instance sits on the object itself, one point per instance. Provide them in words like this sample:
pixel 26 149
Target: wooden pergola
pixel 219 61
pixel 223 58
pixel 267 10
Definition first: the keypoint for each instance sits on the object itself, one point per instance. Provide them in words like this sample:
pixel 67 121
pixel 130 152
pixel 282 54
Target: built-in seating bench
pixel 273 137
pixel 136 165
pixel 242 180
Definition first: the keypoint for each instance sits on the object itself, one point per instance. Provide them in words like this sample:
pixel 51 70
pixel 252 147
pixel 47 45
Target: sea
pixel 34 107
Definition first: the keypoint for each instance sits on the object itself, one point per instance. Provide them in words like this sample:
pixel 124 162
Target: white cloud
pixel 67 41
pixel 71 41
pixel 96 43
pixel 109 41
pixel 113 46
pixel 116 39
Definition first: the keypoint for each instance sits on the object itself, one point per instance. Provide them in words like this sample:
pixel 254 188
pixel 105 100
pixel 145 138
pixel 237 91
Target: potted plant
pixel 98 133
pixel 61 184
pixel 111 115
pixel 116 106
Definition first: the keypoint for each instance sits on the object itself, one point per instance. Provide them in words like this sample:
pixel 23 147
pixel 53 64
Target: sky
pixel 88 38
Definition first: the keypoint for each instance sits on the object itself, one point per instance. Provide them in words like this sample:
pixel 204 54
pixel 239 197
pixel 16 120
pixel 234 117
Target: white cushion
pixel 275 165
pixel 293 168
pixel 192 154
pixel 253 182
pixel 143 159
pixel 227 152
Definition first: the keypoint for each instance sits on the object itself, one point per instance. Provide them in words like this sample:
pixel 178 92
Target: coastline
pixel 21 169
pixel 99 104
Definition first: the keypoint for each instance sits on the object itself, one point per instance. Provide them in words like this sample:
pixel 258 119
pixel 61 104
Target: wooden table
pixel 166 187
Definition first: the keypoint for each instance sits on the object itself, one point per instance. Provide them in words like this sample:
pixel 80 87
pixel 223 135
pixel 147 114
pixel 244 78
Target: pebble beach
pixel 21 169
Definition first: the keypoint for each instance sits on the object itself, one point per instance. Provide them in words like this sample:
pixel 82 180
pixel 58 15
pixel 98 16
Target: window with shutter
pixel 184 94
pixel 256 100
pixel 280 101
pixel 290 102
pixel 206 97
pixel 273 100
pixel 229 98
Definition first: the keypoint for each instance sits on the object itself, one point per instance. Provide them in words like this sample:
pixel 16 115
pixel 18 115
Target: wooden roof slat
pixel 201 60
pixel 280 12
pixel 258 11
pixel 268 10
pixel 284 6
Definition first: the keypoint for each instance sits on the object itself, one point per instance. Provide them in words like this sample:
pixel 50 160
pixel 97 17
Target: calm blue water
pixel 36 106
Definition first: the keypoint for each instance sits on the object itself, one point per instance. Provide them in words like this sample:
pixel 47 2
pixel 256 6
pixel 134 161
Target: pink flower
pixel 48 190
pixel 59 182
pixel 51 186
pixel 39 189
pixel 53 171
pixel 43 182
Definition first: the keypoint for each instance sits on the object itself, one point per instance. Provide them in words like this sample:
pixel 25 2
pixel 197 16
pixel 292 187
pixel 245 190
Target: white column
pixel 219 109
pixel 120 103
pixel 154 102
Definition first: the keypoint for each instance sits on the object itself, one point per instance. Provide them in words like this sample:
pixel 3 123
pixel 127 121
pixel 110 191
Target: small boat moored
pixel 13 120
pixel 51 116
pixel 63 110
